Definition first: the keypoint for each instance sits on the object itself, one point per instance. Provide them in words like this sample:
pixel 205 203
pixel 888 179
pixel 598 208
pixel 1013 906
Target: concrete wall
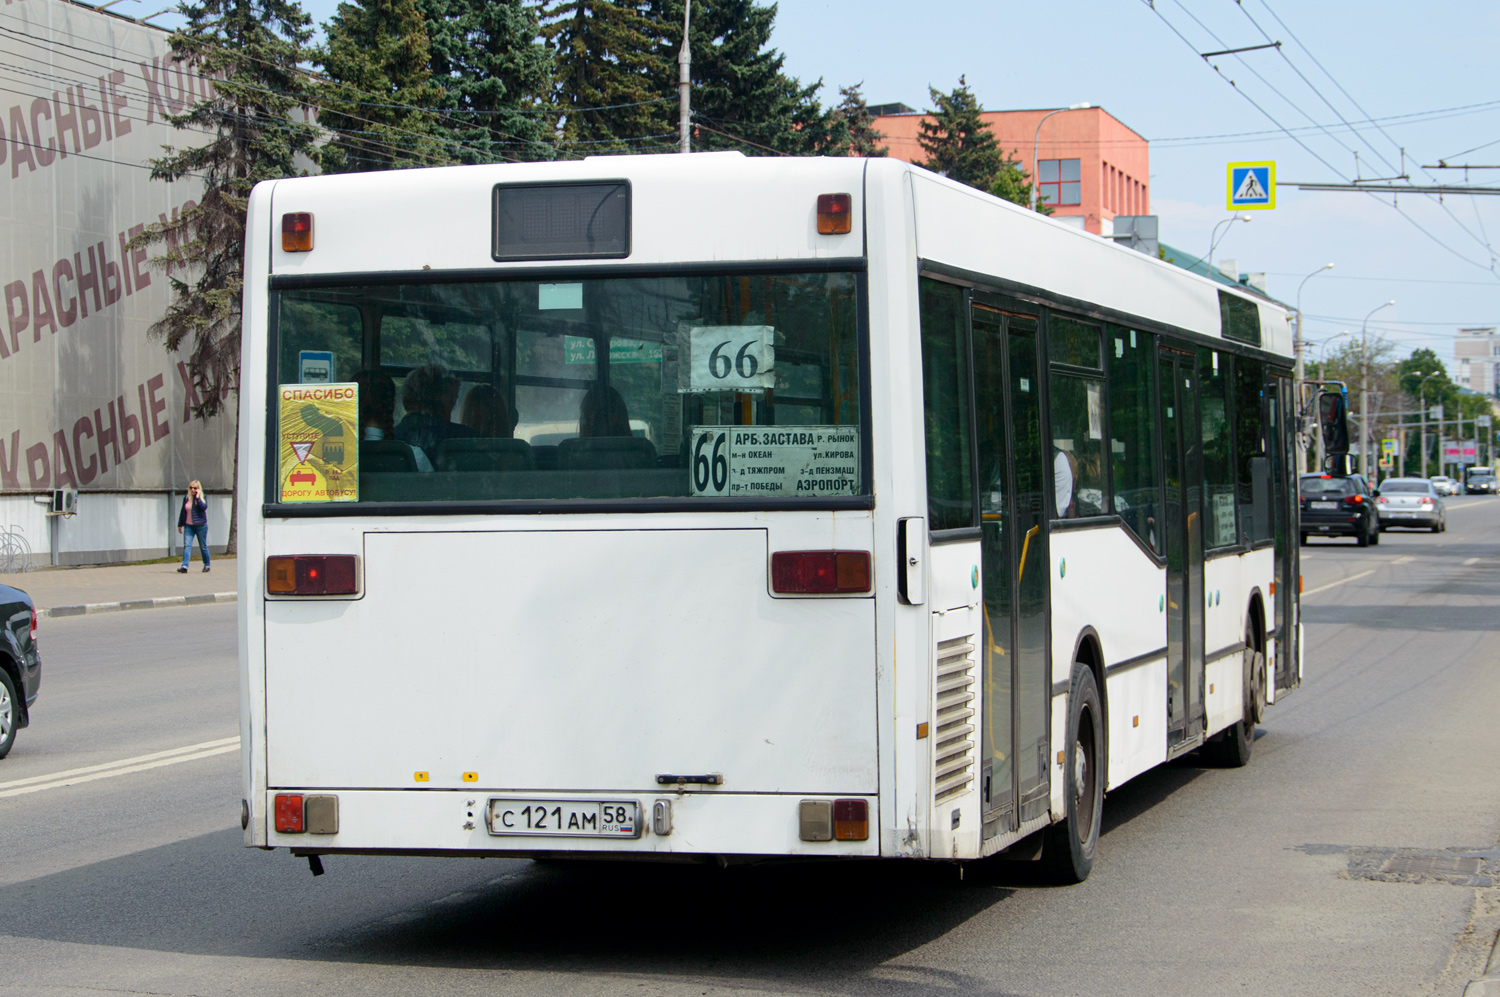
pixel 109 527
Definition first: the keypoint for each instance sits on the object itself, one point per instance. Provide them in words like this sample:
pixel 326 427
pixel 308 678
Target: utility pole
pixel 684 85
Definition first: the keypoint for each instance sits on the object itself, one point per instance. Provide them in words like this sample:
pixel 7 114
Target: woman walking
pixel 192 521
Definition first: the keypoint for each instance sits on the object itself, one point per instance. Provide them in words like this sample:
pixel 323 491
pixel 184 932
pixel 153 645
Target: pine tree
pixel 607 63
pixel 864 139
pixel 489 57
pixel 253 120
pixel 958 143
pixel 741 98
pixel 379 101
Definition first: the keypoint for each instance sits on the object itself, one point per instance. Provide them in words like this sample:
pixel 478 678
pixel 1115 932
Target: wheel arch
pixel 1088 650
pixel 13 670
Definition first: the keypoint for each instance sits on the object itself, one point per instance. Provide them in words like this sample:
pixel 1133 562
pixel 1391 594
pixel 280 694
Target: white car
pixel 1444 484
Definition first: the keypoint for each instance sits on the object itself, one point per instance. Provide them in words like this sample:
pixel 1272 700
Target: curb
pixel 164 601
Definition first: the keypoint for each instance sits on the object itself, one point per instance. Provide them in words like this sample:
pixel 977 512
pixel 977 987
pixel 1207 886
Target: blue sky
pixel 1419 76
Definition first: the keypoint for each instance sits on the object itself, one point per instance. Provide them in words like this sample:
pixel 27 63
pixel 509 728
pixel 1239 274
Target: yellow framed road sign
pixel 1250 186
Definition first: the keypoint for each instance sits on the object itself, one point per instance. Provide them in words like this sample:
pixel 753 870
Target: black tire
pixel 1375 535
pixel 1362 538
pixel 1436 528
pixel 1069 845
pixel 1231 748
pixel 10 713
pixel 1302 539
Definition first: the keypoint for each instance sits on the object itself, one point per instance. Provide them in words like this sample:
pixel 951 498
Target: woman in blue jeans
pixel 192 521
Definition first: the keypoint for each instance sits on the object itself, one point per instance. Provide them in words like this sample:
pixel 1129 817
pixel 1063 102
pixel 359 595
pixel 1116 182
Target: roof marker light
pixel 296 232
pixel 833 214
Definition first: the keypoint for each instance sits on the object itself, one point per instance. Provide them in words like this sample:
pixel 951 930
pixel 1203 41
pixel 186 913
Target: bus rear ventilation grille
pixel 953 728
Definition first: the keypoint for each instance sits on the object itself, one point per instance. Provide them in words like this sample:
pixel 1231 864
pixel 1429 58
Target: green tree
pixel 864 139
pixel 608 61
pixel 254 129
pixel 1013 184
pixel 742 98
pixel 379 101
pixel 958 143
pixel 497 71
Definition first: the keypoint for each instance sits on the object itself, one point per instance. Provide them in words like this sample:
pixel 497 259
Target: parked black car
pixel 1338 506
pixel 20 664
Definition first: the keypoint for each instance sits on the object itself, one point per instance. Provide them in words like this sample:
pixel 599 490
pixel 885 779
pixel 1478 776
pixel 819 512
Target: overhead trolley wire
pixel 1305 147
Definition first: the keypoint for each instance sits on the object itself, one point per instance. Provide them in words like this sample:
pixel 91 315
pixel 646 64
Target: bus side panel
pixel 1135 704
pixel 250 565
pixel 1102 580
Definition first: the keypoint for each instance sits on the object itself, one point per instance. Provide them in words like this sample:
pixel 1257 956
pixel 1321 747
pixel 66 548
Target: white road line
pixel 1402 560
pixel 124 766
pixel 1320 588
pixel 1472 560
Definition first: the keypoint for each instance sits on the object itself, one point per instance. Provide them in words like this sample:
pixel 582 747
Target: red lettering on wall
pixel 38 466
pixel 8 468
pixel 88 470
pixel 62 462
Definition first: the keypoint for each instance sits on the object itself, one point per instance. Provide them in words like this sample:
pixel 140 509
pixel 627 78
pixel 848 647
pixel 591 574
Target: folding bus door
pixel 1183 459
pixel 1013 475
pixel 1281 410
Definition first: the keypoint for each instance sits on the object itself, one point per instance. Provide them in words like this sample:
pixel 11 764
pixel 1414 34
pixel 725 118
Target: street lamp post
pixel 1364 390
pixel 1215 238
pixel 1036 141
pixel 1298 346
pixel 1422 405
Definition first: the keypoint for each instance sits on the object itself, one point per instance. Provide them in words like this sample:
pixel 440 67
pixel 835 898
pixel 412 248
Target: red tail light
pixel 33 624
pixel 289 813
pixel 312 574
pixel 296 232
pixel 820 572
pixel 833 214
pixel 1354 499
pixel 851 820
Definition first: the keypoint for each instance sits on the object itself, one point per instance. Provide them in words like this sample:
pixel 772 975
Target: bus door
pixel 1013 554
pixel 1281 418
pixel 1182 451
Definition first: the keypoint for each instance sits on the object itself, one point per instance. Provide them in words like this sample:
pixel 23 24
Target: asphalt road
pixel 1339 862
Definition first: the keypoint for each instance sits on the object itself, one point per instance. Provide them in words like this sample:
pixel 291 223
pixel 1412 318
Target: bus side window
pixel 1132 427
pixel 1077 419
pixel 945 406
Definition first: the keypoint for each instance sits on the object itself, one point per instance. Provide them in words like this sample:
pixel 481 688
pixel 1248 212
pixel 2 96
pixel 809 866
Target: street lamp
pixel 1297 348
pixel 1036 144
pixel 1215 239
pixel 1422 405
pixel 1364 389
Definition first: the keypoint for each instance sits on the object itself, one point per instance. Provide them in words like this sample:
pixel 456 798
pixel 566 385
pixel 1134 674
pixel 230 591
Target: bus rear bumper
pixel 457 823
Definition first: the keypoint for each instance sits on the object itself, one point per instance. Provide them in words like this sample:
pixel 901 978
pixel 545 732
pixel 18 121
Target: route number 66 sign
pixel 731 358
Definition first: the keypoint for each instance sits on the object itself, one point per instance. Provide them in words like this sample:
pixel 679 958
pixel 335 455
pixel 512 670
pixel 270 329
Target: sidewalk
pixel 73 591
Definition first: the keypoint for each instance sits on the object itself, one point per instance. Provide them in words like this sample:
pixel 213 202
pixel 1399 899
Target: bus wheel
pixel 1231 748
pixel 1068 849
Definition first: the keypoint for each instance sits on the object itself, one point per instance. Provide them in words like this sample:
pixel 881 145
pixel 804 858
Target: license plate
pixel 1323 505
pixel 564 818
pixel 1402 512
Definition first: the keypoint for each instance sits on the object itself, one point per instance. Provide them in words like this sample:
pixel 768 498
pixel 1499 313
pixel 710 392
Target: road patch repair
pixel 1475 868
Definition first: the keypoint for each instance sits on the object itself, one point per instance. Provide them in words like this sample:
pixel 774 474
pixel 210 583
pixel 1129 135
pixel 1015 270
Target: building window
pixel 1059 181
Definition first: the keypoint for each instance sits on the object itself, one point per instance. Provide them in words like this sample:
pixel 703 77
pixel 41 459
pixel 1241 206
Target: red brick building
pixel 1092 166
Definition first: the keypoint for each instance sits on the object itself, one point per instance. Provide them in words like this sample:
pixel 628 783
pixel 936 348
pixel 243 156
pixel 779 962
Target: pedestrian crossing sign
pixel 1251 186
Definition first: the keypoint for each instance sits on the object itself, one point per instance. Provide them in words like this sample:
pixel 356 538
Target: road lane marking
pixel 123 766
pixel 1403 559
pixel 1472 560
pixel 1320 588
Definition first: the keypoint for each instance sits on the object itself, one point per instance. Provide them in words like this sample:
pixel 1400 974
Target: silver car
pixel 1410 502
pixel 1444 485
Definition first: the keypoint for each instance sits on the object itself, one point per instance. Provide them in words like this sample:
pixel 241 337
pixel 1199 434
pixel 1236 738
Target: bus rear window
pixel 726 386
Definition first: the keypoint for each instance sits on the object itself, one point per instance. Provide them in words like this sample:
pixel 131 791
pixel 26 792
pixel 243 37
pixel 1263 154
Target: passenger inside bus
pixel 429 396
pixel 378 451
pixel 602 412
pixel 486 413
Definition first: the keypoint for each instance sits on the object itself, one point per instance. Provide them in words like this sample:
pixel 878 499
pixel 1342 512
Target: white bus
pixel 885 518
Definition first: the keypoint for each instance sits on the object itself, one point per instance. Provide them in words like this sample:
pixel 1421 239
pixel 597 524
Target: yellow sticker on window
pixel 319 460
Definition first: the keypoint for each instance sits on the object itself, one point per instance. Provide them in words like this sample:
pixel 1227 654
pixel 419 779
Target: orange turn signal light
pixel 851 820
pixel 296 232
pixel 833 214
pixel 289 813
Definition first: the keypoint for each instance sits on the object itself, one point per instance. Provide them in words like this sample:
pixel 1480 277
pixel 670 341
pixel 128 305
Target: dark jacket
pixel 426 431
pixel 200 513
